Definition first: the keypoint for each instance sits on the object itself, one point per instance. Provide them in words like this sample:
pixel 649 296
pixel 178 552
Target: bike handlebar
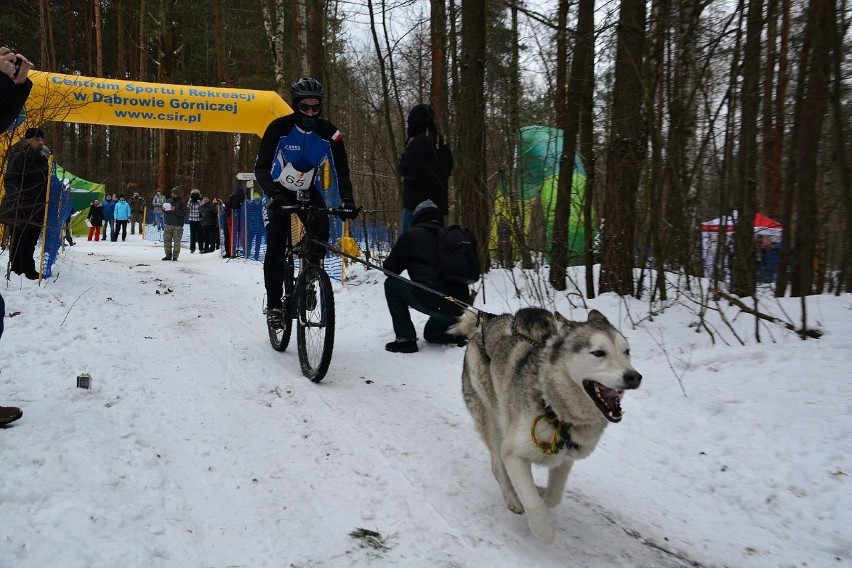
pixel 313 209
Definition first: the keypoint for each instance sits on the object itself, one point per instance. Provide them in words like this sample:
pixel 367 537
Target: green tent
pixel 83 192
pixel 537 179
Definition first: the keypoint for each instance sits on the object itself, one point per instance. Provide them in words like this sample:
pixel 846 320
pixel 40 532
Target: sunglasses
pixel 304 107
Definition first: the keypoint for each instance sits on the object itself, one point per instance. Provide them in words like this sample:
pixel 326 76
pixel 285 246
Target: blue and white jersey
pixel 290 159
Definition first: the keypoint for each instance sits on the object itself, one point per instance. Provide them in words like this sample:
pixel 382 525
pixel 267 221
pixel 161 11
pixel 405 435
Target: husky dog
pixel 541 389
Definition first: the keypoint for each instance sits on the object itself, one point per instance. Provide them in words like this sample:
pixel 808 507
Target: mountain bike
pixel 308 299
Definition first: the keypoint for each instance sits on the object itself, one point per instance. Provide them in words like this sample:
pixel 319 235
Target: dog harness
pixel 561 437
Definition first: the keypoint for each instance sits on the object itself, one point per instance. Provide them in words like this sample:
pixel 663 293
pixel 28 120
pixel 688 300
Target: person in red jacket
pixel 96 218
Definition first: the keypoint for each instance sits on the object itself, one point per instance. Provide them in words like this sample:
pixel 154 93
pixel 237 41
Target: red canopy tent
pixel 766 231
pixel 762 224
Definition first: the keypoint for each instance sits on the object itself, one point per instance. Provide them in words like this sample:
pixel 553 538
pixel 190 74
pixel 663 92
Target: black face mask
pixel 194 197
pixel 305 122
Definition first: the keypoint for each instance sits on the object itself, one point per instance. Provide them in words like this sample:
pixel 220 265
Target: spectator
pixel 425 165
pixel 67 228
pixel 109 216
pixel 122 215
pixel 96 219
pixel 209 222
pixel 175 213
pixel 193 215
pixel 235 221
pixel 416 251
pixel 504 243
pixel 225 227
pixel 220 220
pixel 14 89
pixel 137 212
pixel 22 208
pixel 157 208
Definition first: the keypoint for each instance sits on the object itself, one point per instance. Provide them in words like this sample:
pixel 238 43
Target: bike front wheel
pixel 315 322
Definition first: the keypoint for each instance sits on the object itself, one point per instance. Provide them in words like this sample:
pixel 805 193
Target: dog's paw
pixel 541 527
pixel 514 504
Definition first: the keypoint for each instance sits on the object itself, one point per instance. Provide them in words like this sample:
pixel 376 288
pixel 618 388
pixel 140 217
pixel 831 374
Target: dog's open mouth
pixel 607 399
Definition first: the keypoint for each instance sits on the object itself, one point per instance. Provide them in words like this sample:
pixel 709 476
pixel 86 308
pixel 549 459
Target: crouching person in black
pixel 417 252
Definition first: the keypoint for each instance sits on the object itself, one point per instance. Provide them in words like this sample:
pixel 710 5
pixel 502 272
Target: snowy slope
pixel 199 445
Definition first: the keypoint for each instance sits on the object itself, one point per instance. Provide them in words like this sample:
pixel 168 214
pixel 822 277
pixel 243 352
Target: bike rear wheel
pixel 279 337
pixel 315 322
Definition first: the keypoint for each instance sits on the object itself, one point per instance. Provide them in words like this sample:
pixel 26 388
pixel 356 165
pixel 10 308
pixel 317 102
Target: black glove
pixel 277 199
pixel 347 209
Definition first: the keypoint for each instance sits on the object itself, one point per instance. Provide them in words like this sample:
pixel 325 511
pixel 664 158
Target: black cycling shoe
pixel 275 318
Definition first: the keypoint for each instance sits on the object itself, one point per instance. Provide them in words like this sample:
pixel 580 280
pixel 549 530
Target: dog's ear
pixel 595 315
pixel 563 322
pixel 536 324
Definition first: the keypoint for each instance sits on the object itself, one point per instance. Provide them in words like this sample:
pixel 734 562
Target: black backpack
pixel 458 259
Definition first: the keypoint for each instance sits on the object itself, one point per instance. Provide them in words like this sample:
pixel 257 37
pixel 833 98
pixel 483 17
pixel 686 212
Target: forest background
pixel 680 112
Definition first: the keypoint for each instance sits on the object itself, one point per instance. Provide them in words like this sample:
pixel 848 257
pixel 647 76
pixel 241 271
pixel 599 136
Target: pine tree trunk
pixel 809 115
pixel 626 153
pixel 744 266
pixel 474 198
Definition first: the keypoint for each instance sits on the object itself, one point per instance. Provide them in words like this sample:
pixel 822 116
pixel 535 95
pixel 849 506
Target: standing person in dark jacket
pixel 425 166
pixel 193 215
pixel 22 208
pixel 109 216
pixel 224 229
pixel 209 220
pixel 14 89
pixel 96 218
pixel 66 227
pixel 235 221
pixel 137 212
pixel 157 208
pixel 175 212
pixel 416 251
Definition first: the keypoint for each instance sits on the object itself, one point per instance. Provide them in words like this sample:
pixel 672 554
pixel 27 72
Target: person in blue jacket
pixel 122 216
pixel 109 216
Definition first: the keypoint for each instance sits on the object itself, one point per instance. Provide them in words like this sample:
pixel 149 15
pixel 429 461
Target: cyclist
pixel 291 158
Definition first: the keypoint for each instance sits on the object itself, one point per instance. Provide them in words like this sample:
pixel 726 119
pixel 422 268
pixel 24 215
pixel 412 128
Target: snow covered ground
pixel 198 445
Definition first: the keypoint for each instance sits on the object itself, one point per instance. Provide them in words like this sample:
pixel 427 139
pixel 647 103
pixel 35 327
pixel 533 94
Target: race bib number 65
pixel 294 180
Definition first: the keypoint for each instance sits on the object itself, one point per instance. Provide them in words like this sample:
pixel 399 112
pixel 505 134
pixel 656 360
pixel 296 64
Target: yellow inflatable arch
pixel 111 102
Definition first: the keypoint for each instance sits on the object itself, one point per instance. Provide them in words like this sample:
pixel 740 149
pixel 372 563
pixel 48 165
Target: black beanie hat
pixel 33 133
pixel 420 119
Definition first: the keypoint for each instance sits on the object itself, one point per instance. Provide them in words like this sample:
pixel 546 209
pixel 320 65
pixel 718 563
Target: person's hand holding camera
pixel 14 65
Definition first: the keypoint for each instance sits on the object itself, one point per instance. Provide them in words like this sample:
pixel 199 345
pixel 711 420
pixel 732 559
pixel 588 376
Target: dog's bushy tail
pixel 465 325
pixel 469 322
